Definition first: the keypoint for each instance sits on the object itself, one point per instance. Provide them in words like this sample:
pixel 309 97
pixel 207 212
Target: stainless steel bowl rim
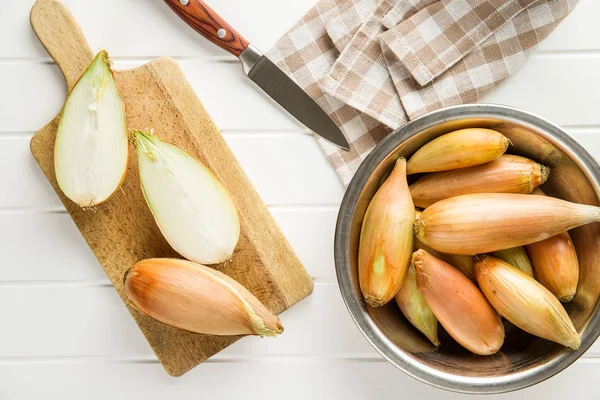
pixel 356 307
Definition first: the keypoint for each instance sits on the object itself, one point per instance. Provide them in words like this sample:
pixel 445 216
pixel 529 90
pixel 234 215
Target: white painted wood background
pixel 64 332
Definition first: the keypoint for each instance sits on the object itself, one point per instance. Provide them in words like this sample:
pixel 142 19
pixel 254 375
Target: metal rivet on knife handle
pixel 208 23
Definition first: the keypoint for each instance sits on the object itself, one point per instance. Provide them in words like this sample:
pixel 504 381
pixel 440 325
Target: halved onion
pixel 91 149
pixel 192 209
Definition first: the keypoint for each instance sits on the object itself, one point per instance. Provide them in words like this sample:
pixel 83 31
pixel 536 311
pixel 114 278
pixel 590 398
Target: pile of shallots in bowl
pixel 472 240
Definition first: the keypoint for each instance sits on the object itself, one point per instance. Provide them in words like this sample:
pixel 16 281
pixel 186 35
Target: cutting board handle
pixel 56 28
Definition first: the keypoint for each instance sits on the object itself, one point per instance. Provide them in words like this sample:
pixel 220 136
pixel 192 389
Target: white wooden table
pixel 65 333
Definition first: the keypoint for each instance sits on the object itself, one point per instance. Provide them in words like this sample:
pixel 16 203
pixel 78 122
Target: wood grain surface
pixel 208 23
pixel 122 231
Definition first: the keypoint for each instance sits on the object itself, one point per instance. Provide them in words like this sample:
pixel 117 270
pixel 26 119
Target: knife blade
pixel 262 71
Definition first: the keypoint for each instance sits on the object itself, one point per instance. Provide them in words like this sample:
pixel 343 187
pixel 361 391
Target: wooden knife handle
pixel 209 24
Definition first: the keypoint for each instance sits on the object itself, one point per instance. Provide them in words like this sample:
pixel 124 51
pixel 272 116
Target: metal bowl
pixel 524 360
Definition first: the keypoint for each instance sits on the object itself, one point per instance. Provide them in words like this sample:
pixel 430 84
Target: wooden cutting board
pixel 122 231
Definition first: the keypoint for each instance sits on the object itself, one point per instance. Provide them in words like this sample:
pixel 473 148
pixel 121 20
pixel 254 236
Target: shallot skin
pixel 482 223
pixel 386 239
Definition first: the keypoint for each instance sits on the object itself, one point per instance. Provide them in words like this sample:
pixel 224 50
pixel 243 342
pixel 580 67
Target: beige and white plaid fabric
pixel 375 64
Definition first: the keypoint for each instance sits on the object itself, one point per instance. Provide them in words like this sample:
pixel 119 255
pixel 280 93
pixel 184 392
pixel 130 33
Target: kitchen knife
pixel 259 69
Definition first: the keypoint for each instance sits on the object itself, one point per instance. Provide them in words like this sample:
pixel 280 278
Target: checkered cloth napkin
pixel 375 64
